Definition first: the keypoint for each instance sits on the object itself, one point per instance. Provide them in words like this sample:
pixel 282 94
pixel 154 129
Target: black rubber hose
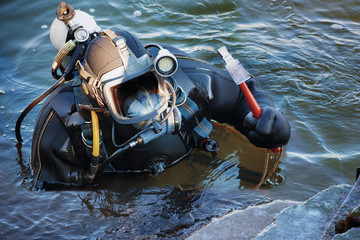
pixel 78 53
pixel 121 149
pixel 111 158
pixel 55 74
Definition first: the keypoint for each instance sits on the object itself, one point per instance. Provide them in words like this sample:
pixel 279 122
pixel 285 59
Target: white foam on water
pixel 337 26
pixel 137 13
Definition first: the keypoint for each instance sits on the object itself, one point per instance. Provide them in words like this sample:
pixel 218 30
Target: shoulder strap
pixel 189 109
pixel 201 128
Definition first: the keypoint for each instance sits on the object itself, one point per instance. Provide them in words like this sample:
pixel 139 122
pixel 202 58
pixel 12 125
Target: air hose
pixel 96 134
pixel 132 142
pixel 79 51
pixel 120 150
pixel 95 148
pixel 64 51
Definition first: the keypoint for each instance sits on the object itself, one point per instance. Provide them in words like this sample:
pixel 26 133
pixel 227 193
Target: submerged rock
pixel 353 219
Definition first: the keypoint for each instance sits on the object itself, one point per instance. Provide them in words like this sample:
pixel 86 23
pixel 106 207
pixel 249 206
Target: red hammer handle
pixel 253 105
pixel 251 101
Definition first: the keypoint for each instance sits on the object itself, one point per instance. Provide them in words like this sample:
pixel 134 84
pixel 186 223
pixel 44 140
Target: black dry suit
pixel 61 147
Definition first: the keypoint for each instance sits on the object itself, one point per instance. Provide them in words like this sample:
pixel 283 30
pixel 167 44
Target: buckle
pixel 95 83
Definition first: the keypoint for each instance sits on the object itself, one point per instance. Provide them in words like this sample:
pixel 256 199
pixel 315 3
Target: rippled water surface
pixel 305 53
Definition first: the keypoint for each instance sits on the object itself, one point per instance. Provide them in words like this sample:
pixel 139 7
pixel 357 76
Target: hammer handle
pixel 253 105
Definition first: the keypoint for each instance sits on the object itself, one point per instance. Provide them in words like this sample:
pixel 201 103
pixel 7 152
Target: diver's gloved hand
pixel 271 130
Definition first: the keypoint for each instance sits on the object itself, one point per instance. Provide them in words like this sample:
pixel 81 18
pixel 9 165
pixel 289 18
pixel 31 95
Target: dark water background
pixel 305 53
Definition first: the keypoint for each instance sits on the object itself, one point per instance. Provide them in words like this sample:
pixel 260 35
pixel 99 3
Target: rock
pixel 309 220
pixel 338 206
pixel 347 212
pixel 352 234
pixel 353 219
pixel 242 224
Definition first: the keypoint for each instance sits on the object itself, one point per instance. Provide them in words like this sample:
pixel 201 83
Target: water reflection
pixel 129 206
pixel 166 212
pixel 25 170
pixel 188 196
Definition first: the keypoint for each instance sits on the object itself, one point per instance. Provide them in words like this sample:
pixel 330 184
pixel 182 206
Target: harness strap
pixel 82 101
pixel 88 77
pixel 202 128
pixel 190 110
pixel 90 108
pixel 95 84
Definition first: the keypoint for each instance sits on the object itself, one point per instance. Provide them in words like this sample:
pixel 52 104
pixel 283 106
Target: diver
pixel 121 106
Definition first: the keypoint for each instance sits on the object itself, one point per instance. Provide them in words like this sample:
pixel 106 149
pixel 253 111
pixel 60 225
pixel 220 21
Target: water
pixel 305 53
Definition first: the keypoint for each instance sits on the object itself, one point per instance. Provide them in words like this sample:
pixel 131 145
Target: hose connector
pixel 94 165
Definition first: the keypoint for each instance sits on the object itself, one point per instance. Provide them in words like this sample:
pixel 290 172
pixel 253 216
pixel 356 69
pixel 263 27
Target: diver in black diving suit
pixel 133 108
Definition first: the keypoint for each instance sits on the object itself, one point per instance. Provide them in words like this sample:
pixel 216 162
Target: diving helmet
pixel 128 86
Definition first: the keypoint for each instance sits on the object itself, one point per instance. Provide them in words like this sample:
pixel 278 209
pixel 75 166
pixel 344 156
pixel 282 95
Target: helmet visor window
pixel 139 97
pixel 141 102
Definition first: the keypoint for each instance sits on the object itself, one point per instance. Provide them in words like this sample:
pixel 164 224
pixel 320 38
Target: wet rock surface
pixel 348 215
pixel 352 234
pixel 242 224
pixel 312 219
pixel 309 220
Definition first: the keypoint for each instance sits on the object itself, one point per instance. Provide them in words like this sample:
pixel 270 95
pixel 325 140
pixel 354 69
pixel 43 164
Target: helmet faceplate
pixel 130 89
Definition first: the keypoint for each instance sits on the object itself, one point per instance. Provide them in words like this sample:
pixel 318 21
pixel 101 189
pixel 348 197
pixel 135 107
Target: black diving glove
pixel 271 130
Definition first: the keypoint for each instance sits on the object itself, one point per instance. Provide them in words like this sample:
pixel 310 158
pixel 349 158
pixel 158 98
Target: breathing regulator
pixel 70 28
